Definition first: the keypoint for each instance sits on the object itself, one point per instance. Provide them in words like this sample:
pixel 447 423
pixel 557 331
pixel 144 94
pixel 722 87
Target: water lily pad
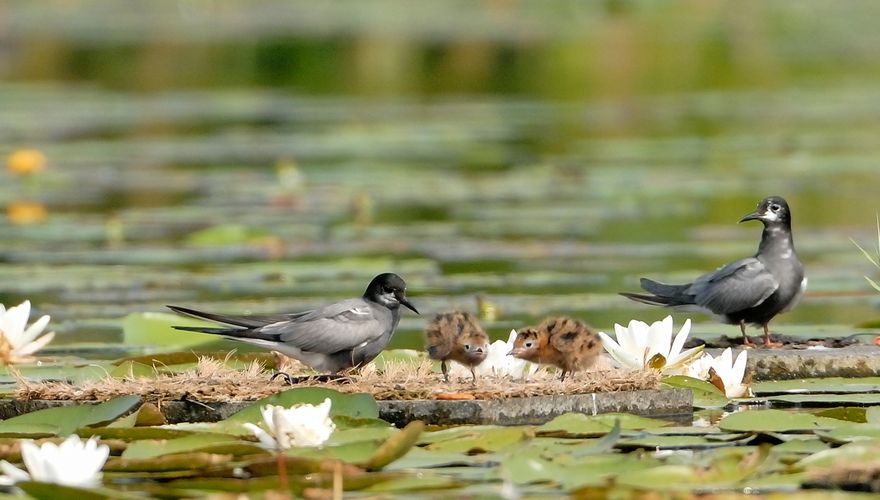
pixel 191 462
pixel 69 418
pixel 776 421
pixel 483 440
pixel 826 399
pixel 153 329
pixel 673 443
pixel 830 385
pixel 49 491
pixel 395 446
pixel 848 413
pixel 580 425
pixel 351 405
pixel 857 452
pixel 203 442
pixel 706 395
pixel 850 432
pixel 422 482
pixel 800 446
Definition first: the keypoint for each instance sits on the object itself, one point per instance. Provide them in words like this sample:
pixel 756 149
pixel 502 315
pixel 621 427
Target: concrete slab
pixel 535 410
pixel 787 364
pixel 669 403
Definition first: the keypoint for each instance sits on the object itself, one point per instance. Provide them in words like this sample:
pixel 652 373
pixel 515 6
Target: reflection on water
pixel 546 169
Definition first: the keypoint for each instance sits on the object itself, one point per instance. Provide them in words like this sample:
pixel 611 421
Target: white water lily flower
pixel 699 368
pixel 732 373
pixel 498 363
pixel 640 345
pixel 72 463
pixel 302 425
pixel 17 343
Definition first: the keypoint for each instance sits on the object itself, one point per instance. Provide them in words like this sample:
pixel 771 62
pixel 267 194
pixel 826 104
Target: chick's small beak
pixel 752 216
pixel 402 300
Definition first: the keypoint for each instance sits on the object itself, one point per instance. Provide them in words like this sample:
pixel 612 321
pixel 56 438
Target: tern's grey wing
pixel 735 287
pixel 333 328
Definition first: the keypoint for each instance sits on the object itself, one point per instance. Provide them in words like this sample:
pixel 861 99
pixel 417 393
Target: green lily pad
pixel 153 329
pixel 776 421
pixel 395 446
pixel 68 419
pixel 830 385
pixel 706 395
pixel 203 442
pixel 848 413
pixel 849 433
pixel 826 399
pixel 800 446
pixel 580 425
pixel 50 491
pixel 673 443
pixel 226 234
pixel 190 462
pixel 486 439
pixel 854 453
pixel 131 369
pixel 351 405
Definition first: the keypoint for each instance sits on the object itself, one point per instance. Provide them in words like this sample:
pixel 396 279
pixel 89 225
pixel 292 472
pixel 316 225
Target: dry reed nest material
pixel 212 381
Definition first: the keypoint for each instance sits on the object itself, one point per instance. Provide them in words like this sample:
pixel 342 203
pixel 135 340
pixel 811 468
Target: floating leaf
pixel 826 399
pixel 857 452
pixel 51 491
pixel 848 413
pixel 395 446
pixel 203 442
pixel 179 461
pixel 580 425
pixel 776 421
pixel 847 433
pixel 485 439
pixel 351 405
pixel 69 418
pixel 831 385
pixel 673 443
pixel 155 329
pixel 706 395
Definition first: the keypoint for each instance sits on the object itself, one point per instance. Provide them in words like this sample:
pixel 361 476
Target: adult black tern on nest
pixel 329 339
pixel 752 290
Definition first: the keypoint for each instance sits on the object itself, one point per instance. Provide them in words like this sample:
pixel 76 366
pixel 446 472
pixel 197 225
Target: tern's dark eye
pixel 775 208
pixel 528 345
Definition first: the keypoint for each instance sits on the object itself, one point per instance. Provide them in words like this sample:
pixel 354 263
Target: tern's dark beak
pixel 408 304
pixel 752 216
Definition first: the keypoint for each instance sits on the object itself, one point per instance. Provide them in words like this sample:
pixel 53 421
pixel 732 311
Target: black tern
pixel 330 339
pixel 752 290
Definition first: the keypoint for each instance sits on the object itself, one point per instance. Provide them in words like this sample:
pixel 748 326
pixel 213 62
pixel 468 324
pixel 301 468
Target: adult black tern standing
pixel 329 339
pixel 751 290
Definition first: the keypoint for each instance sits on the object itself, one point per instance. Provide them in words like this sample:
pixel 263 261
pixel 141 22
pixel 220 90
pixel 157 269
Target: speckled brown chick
pixel 456 336
pixel 563 342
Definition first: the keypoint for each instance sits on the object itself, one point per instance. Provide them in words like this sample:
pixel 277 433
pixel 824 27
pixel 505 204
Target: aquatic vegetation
pixel 71 463
pixel 640 345
pixel 302 425
pixel 18 343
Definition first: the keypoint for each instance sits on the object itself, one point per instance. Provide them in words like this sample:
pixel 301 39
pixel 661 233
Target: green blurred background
pixel 266 156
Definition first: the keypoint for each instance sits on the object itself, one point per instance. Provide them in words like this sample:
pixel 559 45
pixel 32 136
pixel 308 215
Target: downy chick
pixel 563 342
pixel 456 336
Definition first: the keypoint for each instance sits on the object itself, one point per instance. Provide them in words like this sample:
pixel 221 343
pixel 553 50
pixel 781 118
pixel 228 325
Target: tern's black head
pixel 772 211
pixel 389 290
